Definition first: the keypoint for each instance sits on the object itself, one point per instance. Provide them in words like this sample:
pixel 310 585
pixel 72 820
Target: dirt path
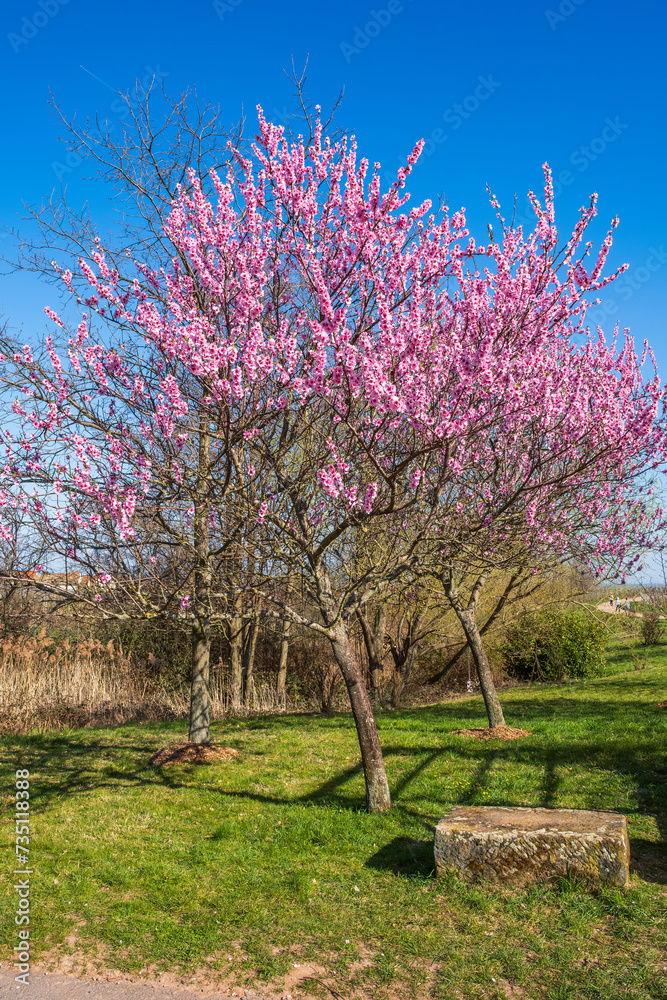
pixel 45 985
pixel 606 607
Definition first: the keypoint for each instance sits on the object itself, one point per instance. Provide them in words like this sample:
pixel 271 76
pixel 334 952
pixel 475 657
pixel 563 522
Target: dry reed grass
pixel 48 684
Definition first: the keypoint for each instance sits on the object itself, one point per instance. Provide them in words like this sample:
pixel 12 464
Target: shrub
pixel 554 645
pixel 651 628
pixel 639 662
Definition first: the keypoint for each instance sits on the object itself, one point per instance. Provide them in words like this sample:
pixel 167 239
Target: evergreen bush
pixel 554 645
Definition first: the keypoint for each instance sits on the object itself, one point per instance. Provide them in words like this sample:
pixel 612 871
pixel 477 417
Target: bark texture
pixel 404 654
pixel 377 788
pixel 199 687
pixel 236 651
pixel 281 683
pixel 201 632
pixel 485 627
pixel 494 709
pixel 249 660
pixel 374 643
pixel 466 615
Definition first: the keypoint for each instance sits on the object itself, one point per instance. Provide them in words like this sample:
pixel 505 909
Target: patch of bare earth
pixel 191 753
pixel 512 990
pixel 493 733
pixel 209 983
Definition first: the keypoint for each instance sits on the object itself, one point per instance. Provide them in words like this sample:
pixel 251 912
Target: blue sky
pixel 495 89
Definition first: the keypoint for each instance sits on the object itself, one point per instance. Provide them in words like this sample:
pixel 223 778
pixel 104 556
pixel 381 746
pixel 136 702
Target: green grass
pixel 626 647
pixel 641 607
pixel 270 860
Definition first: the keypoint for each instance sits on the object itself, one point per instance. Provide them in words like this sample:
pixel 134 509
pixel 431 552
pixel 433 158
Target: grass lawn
pixel 266 866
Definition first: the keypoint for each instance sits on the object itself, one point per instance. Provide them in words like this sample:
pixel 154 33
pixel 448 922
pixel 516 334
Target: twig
pixel 334 993
pixel 600 621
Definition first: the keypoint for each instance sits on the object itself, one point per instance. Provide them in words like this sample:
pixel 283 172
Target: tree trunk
pixel 404 654
pixel 493 707
pixel 281 684
pixel 377 787
pixel 236 650
pixel 487 625
pixel 374 643
pixel 466 615
pixel 199 688
pixel 249 660
pixel 402 672
pixel 201 632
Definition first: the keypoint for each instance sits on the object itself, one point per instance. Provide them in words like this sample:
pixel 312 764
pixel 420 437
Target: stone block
pixel 522 846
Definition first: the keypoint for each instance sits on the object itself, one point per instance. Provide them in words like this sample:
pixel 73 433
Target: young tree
pixel 353 366
pixel 564 478
pixel 147 160
pixel 513 595
pixel 416 619
pixel 572 490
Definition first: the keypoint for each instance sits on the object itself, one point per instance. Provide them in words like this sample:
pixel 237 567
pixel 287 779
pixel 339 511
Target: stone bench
pixel 522 846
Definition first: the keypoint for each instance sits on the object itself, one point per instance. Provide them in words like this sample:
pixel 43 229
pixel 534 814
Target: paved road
pixel 53 986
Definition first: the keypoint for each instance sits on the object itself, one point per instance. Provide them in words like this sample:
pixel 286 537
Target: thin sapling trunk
pixel 201 632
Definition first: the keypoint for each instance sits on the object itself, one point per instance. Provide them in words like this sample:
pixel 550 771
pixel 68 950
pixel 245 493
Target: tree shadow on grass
pixel 405 856
pixel 410 858
pixel 64 766
pixel 648 860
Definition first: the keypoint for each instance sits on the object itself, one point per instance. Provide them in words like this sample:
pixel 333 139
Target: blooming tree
pixel 319 359
pixel 565 477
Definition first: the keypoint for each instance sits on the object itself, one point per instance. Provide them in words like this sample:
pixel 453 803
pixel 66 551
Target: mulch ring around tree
pixel 493 733
pixel 191 753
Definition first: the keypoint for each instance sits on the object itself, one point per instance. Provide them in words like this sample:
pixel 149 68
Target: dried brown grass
pixel 48 683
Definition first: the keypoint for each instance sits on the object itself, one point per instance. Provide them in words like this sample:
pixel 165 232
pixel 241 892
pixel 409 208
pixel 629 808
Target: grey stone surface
pixel 523 845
